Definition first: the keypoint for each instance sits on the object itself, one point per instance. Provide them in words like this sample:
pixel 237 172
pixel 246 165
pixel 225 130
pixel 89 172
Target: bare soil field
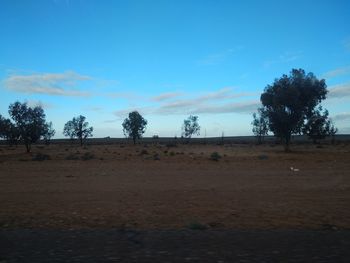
pixel 154 186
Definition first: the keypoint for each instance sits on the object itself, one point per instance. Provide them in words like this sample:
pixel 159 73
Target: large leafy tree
pixel 78 128
pixel 290 101
pixel 191 127
pixel 134 126
pixel 260 125
pixel 29 123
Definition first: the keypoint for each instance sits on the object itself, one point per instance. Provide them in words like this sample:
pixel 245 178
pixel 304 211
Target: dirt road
pixel 124 203
pixel 112 245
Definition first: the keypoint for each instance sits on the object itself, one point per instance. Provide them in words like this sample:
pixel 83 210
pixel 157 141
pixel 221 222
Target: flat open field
pixel 158 187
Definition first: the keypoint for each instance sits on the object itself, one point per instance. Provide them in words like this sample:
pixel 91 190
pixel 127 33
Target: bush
pixel 41 157
pixel 263 157
pixel 169 145
pixel 87 156
pixel 215 156
pixel 196 226
pixel 72 157
pixel 143 152
pixel 156 157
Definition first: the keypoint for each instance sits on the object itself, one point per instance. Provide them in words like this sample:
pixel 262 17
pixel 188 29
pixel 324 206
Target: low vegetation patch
pixel 41 157
pixel 263 157
pixel 197 226
pixel 72 156
pixel 144 152
pixel 156 157
pixel 169 145
pixel 87 156
pixel 215 156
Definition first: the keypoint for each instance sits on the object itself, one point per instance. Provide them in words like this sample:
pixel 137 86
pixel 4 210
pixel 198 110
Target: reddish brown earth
pixel 250 187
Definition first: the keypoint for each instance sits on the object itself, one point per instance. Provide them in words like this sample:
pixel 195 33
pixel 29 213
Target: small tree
pixel 49 132
pixel 260 125
pixel 78 128
pixel 332 131
pixel 134 126
pixel 319 126
pixel 8 131
pixel 29 123
pixel 190 127
pixel 290 100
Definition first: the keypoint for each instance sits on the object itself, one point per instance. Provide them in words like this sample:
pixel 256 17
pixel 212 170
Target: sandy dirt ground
pixel 159 187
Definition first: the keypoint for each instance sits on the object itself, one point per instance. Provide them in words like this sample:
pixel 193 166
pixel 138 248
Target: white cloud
pixel 57 84
pixel 166 96
pixel 339 91
pixel 341 116
pixel 214 102
pixel 217 58
pixel 242 107
pixel 93 108
pixel 283 58
pixel 336 72
pixel 123 95
pixel 34 103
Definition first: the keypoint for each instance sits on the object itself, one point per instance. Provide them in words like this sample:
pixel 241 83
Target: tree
pixel 30 124
pixel 290 100
pixel 319 126
pixel 260 125
pixel 78 128
pixel 8 131
pixel 190 127
pixel 49 132
pixel 332 131
pixel 134 126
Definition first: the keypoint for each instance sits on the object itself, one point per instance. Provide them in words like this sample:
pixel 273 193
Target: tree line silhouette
pixel 291 105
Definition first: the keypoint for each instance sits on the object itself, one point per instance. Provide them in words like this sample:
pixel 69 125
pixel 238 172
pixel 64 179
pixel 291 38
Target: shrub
pixel 156 157
pixel 196 226
pixel 169 145
pixel 72 157
pixel 87 156
pixel 263 157
pixel 144 152
pixel 215 156
pixel 41 157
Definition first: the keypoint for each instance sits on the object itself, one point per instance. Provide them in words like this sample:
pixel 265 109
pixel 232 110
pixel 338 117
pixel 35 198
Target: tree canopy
pixel 319 126
pixel 291 100
pixel 134 126
pixel 260 125
pixel 8 130
pixel 29 123
pixel 190 127
pixel 78 128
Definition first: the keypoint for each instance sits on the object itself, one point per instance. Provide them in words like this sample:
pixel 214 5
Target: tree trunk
pixel 27 147
pixel 333 139
pixel 287 143
pixel 134 140
pixel 259 139
pixel 81 141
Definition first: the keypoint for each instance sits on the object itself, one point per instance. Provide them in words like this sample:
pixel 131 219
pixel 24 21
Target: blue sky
pixel 168 59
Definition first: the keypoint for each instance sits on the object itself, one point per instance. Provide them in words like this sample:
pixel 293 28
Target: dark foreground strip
pixel 173 246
